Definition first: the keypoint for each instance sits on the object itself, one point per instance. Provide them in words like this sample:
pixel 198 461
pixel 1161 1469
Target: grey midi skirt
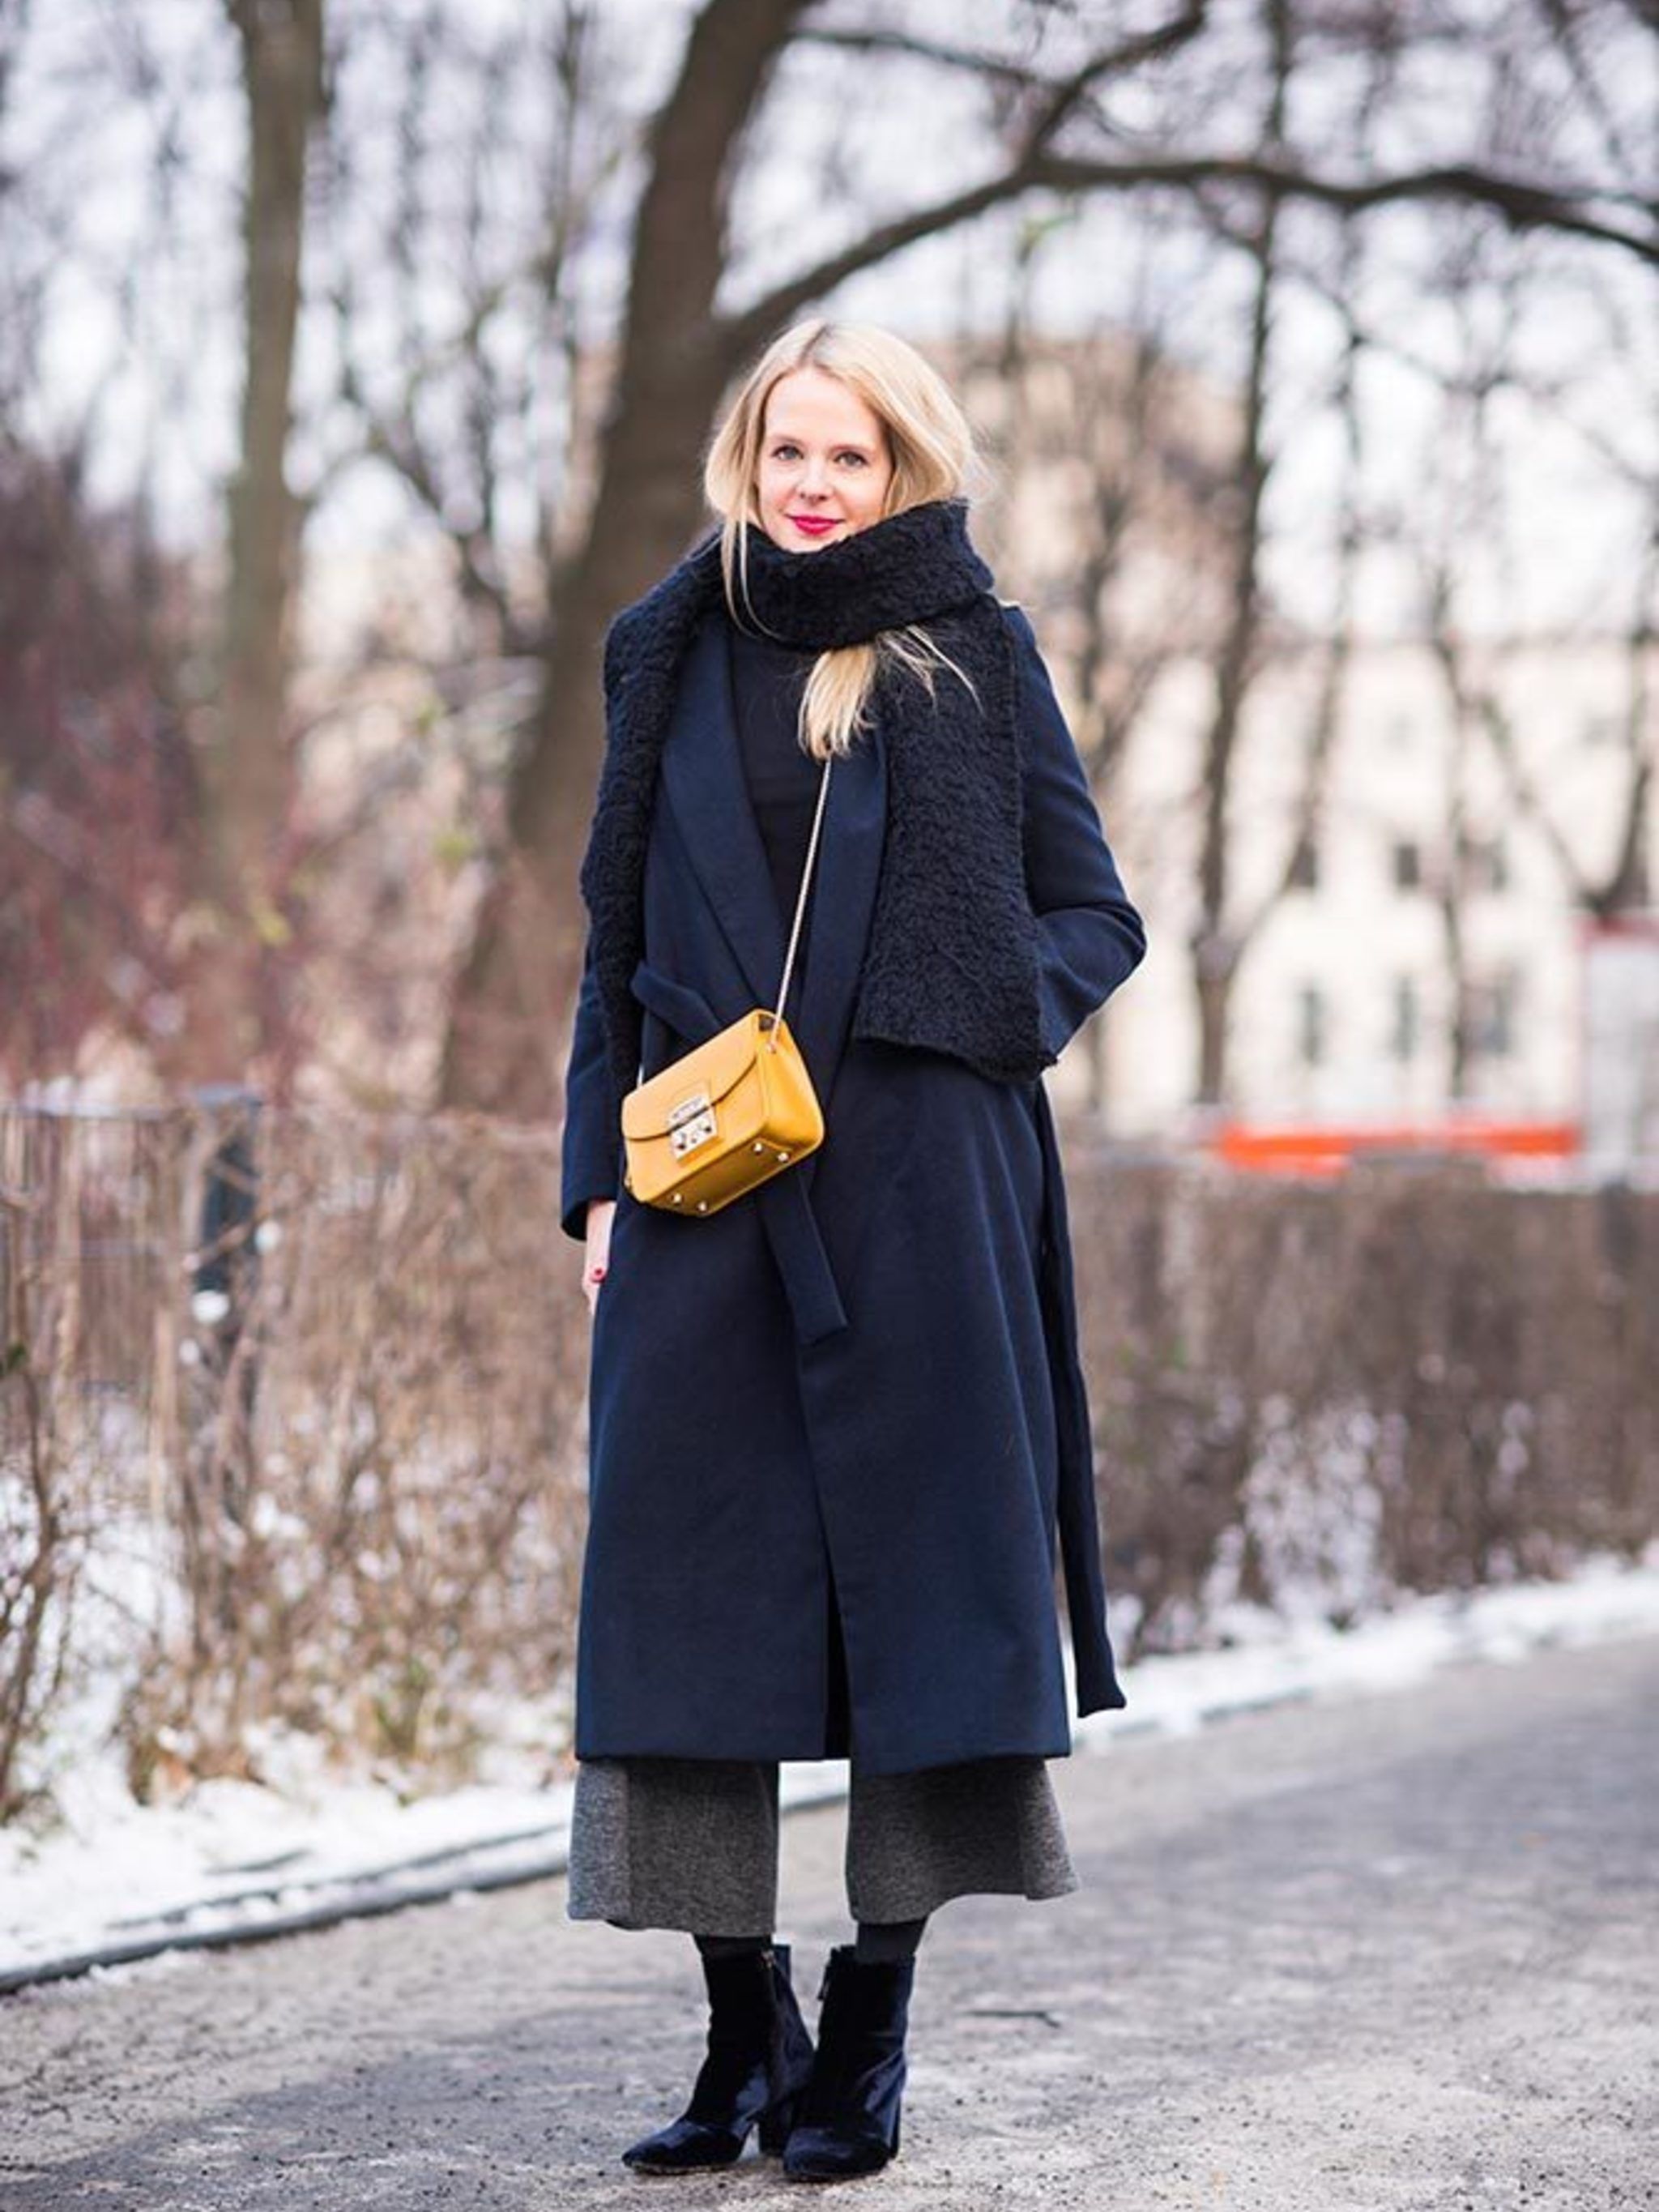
pixel 692 1844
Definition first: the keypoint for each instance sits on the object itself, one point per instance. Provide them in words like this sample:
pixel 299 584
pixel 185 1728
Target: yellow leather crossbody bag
pixel 734 1110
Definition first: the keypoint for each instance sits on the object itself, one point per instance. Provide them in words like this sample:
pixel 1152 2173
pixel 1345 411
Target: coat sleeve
pixel 591 1147
pixel 1091 939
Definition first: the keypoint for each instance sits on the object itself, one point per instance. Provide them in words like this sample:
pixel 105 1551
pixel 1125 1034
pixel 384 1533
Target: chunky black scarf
pixel 951 961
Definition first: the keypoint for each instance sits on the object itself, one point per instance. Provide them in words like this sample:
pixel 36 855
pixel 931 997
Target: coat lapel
pixel 704 782
pixel 843 899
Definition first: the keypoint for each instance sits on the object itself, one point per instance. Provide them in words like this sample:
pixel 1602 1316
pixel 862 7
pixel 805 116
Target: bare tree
pixel 1482 664
pixel 681 344
pixel 552 441
pixel 1115 456
pixel 239 980
pixel 1215 947
pixel 479 396
pixel 1620 882
pixel 90 736
pixel 1448 872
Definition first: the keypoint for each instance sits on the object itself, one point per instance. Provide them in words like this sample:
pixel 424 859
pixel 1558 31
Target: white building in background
pixel 1343 1010
pixel 1111 469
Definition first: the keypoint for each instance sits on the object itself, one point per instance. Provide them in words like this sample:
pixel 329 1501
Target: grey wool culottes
pixel 692 1844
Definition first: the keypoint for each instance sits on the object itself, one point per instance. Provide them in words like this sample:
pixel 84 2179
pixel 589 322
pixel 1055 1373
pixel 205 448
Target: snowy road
pixel 1401 1952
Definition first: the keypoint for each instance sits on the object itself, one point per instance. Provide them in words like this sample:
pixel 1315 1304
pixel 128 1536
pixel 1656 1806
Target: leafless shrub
pixel 1315 1397
pixel 301 1411
pixel 360 1375
pixel 37 1547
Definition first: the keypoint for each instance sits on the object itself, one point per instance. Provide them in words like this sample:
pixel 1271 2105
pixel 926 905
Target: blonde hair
pixel 933 458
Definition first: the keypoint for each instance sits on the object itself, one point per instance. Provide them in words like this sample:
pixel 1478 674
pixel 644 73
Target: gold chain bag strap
pixel 733 1111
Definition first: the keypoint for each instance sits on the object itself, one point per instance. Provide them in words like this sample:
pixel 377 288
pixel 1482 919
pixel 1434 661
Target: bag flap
pixel 712 1069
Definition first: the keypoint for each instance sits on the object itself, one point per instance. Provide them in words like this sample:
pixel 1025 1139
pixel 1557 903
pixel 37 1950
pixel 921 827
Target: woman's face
pixel 825 463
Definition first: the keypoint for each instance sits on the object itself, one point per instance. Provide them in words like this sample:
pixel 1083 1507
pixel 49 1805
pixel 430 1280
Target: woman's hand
pixel 596 1250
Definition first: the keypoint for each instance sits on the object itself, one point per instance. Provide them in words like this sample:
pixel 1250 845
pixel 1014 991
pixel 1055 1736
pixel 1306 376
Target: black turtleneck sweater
pixel 767 682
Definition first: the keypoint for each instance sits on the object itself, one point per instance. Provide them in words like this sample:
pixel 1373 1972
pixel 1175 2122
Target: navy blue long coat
pixel 857 1387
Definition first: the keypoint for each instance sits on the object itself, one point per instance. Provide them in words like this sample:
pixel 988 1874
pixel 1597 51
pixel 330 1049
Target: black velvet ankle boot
pixel 849 2120
pixel 758 2060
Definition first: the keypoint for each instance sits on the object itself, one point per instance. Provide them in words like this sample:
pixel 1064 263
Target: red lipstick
pixel 815 525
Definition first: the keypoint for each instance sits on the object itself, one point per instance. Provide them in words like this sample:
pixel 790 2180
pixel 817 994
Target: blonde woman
pixel 839 1431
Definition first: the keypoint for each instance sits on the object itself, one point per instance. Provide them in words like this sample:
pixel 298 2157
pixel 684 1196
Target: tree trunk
pixel 238 1027
pixel 505 1048
pixel 1215 946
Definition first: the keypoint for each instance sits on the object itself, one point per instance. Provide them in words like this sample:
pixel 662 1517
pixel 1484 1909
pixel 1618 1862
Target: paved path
pixel 1398 1956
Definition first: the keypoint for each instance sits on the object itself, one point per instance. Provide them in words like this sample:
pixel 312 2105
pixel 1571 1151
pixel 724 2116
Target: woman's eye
pixel 855 460
pixel 784 452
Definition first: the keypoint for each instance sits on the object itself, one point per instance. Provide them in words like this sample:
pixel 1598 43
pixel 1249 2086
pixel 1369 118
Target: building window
pixel 1304 866
pixel 1310 1026
pixel 1407 864
pixel 1486 866
pixel 1492 1014
pixel 1407 1019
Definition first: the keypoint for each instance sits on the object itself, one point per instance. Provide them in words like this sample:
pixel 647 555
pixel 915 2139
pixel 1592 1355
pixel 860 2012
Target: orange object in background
pixel 1262 1149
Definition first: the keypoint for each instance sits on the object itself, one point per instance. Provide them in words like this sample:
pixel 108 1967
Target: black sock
pixel 729 1947
pixel 881 1941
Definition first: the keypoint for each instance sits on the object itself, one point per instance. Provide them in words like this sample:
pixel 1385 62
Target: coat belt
pixel 1077 1514
pixel 785 1201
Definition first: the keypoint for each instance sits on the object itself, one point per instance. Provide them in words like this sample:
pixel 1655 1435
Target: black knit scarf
pixel 950 963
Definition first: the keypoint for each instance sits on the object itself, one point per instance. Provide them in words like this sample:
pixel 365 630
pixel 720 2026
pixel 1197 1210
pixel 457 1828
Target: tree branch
pixel 1565 208
pixel 993 67
pixel 1524 206
pixel 1062 93
pixel 1127 54
pixel 738 335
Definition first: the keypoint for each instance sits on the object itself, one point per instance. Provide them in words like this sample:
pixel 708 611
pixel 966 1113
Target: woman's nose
pixel 812 478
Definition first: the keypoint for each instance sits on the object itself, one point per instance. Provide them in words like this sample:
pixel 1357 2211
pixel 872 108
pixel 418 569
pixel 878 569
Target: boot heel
pixel 777 2123
pixel 758 2045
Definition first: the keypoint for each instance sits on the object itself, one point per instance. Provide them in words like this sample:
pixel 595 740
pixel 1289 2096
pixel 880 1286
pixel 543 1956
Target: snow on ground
pixel 119 1880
